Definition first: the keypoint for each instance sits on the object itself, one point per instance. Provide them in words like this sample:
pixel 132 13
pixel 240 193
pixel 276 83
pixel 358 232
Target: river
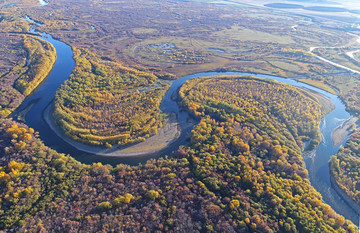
pixel 317 162
pixel 43 3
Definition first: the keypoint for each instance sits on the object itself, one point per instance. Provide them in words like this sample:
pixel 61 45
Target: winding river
pixel 316 162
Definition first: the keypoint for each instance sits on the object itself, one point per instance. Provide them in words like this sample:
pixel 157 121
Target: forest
pixel 248 99
pixel 345 167
pixel 223 38
pixel 234 176
pixel 242 169
pixel 205 37
pixel 42 56
pixel 25 61
pixel 35 62
pixel 105 103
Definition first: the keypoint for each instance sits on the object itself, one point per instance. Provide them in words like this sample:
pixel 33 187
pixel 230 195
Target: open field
pixel 348 85
pixel 319 84
pixel 340 56
pixel 173 39
pixel 178 38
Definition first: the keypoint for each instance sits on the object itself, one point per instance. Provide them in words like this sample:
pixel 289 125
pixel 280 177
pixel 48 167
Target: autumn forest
pixel 185 95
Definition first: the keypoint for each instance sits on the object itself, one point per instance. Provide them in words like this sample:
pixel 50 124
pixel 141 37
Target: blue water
pixel 311 8
pixel 317 163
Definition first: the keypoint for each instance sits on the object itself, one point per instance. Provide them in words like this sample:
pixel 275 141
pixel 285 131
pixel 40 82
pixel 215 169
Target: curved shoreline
pixel 103 154
pixel 339 134
pixel 164 138
pixel 346 198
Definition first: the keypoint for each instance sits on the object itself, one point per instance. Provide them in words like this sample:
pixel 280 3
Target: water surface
pixel 317 162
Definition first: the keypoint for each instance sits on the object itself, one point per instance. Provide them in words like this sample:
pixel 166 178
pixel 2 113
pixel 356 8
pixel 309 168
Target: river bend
pixel 317 162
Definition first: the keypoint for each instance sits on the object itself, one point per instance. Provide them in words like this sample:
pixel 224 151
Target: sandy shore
pixel 166 135
pixel 326 104
pixel 339 134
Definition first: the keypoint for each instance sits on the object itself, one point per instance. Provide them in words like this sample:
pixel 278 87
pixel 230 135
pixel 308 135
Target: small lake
pixel 310 8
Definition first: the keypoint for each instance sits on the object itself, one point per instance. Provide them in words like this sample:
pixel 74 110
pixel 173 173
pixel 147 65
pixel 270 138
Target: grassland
pixel 215 37
pixel 348 85
pixel 339 55
pixel 319 84
pixel 173 39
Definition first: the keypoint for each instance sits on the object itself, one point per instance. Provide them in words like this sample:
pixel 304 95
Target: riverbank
pixel 318 84
pixel 166 136
pixel 326 104
pixel 339 134
pixel 90 154
pixel 354 205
